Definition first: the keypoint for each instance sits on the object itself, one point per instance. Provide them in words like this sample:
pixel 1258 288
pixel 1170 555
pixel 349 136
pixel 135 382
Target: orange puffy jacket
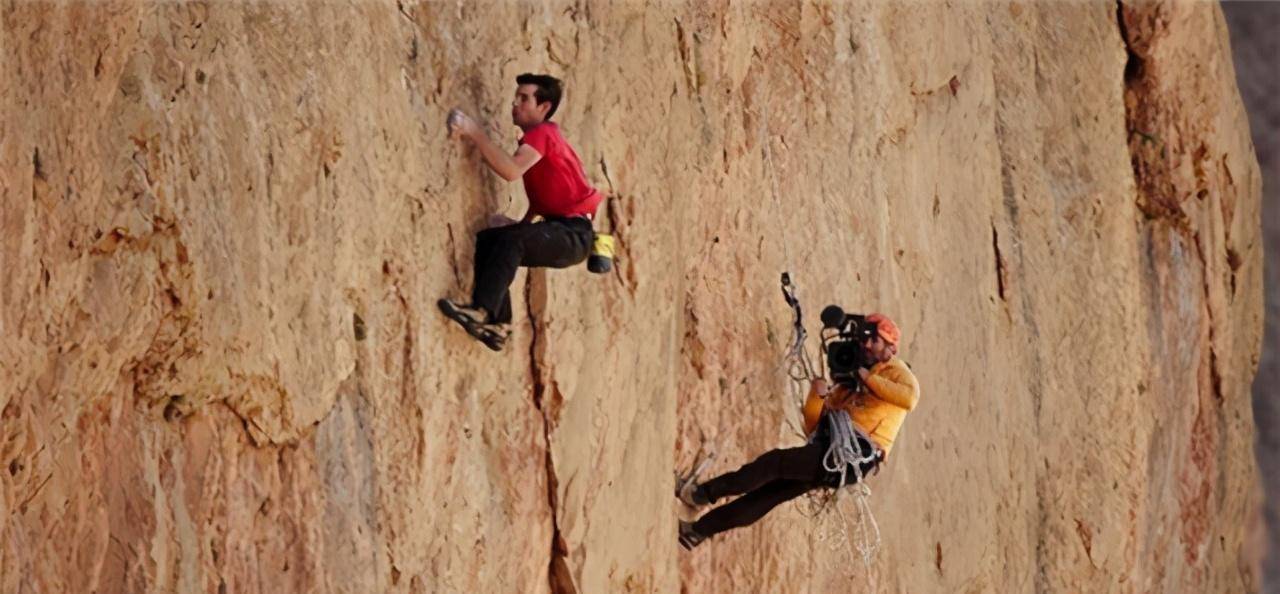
pixel 892 390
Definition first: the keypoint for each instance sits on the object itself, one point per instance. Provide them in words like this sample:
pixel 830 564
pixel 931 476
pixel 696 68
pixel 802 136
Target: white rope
pixel 766 148
pixel 845 449
pixel 796 360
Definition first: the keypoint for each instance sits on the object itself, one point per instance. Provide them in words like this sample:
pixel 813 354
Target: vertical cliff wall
pixel 224 227
pixel 1252 48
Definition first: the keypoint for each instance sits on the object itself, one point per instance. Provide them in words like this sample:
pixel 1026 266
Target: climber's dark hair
pixel 549 89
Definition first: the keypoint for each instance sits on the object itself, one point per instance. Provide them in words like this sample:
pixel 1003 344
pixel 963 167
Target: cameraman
pixel 783 474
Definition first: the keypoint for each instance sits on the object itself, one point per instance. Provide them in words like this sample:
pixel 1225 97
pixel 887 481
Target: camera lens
pixel 843 355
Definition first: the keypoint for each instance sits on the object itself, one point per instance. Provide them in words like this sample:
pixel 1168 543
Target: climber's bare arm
pixel 508 167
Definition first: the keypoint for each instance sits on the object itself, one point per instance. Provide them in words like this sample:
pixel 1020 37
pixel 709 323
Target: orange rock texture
pixel 225 225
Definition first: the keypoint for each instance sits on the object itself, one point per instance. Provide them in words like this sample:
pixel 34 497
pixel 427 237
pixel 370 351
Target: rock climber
pixel 558 192
pixel 861 424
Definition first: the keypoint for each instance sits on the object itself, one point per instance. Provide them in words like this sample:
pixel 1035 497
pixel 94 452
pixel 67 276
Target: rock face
pixel 224 227
pixel 1254 48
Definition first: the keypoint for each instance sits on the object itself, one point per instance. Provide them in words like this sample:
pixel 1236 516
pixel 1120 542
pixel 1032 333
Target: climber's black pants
pixel 553 243
pixel 775 477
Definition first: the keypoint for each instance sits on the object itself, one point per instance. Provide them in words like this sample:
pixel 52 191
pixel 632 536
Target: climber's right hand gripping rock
pixel 460 125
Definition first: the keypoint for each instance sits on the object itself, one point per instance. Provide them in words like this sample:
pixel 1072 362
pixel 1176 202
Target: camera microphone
pixel 832 316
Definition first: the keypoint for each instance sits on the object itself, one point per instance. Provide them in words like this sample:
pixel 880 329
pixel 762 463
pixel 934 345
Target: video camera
pixel 842 338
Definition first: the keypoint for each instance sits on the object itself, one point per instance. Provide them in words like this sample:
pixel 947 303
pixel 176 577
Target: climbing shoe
pixel 689 493
pixel 472 319
pixel 601 259
pixel 687 488
pixel 468 312
pixel 689 537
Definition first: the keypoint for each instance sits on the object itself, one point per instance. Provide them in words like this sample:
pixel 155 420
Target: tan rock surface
pixel 1253 48
pixel 224 227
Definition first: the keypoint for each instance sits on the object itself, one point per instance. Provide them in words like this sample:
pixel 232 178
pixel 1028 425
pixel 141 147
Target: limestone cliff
pixel 224 226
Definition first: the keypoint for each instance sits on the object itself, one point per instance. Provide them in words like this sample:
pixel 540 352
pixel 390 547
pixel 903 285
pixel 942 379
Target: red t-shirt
pixel 556 184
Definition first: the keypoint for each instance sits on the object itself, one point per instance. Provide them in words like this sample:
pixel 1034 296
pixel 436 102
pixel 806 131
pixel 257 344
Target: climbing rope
pixel 796 359
pixel 845 450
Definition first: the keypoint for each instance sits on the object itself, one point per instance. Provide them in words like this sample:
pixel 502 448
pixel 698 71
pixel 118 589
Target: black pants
pixel 775 477
pixel 553 243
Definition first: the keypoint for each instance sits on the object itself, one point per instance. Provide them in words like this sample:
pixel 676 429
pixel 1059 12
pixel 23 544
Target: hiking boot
pixel 689 537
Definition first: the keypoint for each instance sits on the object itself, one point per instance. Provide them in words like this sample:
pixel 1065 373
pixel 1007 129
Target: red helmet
pixel 886 328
